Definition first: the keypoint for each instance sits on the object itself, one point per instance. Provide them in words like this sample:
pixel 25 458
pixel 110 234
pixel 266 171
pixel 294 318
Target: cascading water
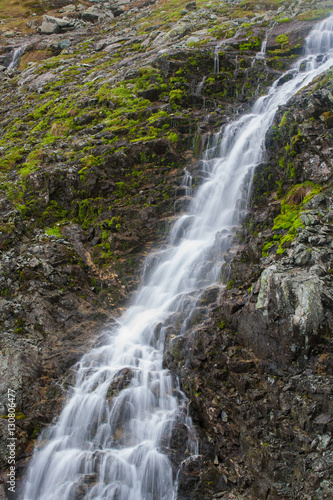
pixel 199 87
pixel 216 59
pixel 262 53
pixel 111 437
pixel 17 54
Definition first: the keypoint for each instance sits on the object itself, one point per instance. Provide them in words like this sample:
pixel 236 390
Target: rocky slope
pixel 103 107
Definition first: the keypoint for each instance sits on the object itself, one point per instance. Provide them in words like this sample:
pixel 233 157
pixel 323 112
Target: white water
pixel 217 59
pixel 199 87
pixel 262 53
pixel 17 53
pixel 105 447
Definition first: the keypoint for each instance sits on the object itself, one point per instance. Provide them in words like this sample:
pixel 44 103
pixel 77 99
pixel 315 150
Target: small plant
pixel 54 231
pixel 230 285
pixel 173 137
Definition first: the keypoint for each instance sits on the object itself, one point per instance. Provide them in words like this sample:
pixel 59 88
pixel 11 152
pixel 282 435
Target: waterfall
pixel 262 53
pixel 216 59
pixel 17 54
pixel 199 87
pixel 112 437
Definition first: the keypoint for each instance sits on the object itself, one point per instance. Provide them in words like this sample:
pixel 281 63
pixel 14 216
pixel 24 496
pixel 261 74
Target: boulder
pixel 52 25
pixel 48 28
pixel 92 14
pixel 63 23
pixel 64 44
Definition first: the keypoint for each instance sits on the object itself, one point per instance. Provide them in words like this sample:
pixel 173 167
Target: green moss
pixel 282 39
pixel 52 213
pixel 284 119
pixel 281 162
pixel 12 158
pixel 28 169
pixel 266 247
pixel 88 161
pixel 314 15
pixel 19 415
pixel 252 44
pixel 35 432
pixel 291 209
pixel 54 231
pixel 173 137
pixel 230 284
pixel 291 171
pixel 160 114
pixel 277 62
pixel 176 98
pixel 283 20
pixel 199 43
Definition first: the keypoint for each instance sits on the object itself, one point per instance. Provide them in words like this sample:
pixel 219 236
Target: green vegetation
pixel 282 40
pixel 284 49
pixel 286 224
pixel 314 15
pixel 283 20
pixel 252 44
pixel 284 119
pixel 54 231
pixel 173 137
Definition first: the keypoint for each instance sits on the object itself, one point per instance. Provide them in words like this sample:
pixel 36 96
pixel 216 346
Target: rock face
pixel 107 106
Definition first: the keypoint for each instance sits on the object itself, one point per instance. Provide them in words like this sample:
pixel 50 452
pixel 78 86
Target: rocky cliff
pixel 104 105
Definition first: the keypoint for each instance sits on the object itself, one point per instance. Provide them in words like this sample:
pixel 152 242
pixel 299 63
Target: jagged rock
pixel 92 14
pixel 293 303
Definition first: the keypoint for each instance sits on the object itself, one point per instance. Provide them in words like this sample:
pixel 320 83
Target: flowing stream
pixel 111 438
pixel 17 53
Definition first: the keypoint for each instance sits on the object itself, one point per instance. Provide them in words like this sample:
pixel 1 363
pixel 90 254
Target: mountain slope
pixel 99 119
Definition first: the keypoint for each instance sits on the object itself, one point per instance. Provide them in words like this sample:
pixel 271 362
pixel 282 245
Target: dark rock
pixel 191 6
pixel 64 44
